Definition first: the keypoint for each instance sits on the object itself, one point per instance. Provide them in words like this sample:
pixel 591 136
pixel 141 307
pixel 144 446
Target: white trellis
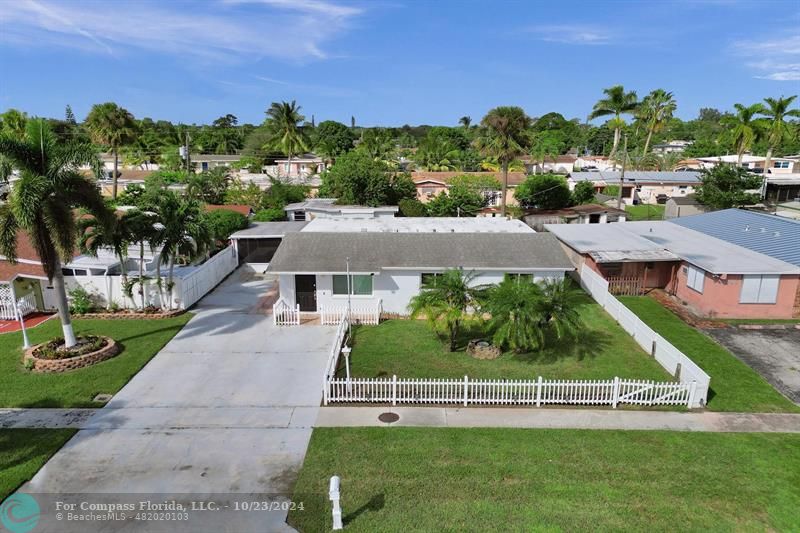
pixel 27 303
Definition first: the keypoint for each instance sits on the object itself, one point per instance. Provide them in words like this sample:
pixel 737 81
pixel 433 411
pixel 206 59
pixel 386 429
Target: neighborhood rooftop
pixel 268 230
pixel 709 253
pixel 420 225
pixel 637 176
pixel 328 205
pixel 318 252
pixel 773 236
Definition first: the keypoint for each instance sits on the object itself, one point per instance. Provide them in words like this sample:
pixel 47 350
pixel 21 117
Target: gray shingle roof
pixel 638 176
pixel 318 252
pixel 767 234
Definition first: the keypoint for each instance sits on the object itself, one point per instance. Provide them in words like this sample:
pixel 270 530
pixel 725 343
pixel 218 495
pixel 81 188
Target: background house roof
pixel 637 176
pixel 319 252
pixel 770 235
pixel 268 230
pixel 242 209
pixel 420 225
pixel 514 178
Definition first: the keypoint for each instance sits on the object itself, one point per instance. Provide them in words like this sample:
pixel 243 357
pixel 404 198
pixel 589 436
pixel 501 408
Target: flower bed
pixel 123 314
pixel 53 357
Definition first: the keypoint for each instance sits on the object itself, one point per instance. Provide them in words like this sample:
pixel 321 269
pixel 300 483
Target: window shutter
pixel 751 286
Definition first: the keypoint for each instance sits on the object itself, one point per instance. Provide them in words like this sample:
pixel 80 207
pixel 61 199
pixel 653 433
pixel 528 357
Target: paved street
pixel 226 407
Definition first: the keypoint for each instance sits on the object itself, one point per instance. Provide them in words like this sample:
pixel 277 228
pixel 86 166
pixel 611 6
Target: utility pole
pixel 622 175
pixel 188 157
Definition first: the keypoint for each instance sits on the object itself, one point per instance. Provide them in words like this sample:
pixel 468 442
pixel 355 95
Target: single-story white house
pixel 322 271
pixel 645 187
pixel 326 208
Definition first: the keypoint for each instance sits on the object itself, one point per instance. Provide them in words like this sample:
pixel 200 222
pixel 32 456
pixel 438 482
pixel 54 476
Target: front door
pixel 306 292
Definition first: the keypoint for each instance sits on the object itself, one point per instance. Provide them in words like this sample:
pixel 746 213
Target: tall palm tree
pixel 515 309
pixel 776 110
pixel 465 121
pixel 657 108
pixel 504 136
pixel 744 127
pixel 143 227
pixel 286 134
pixel 444 300
pixel 617 103
pixel 115 236
pixel 113 126
pixel 42 203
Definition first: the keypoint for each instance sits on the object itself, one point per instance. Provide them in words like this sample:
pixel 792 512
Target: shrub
pixel 583 193
pixel 223 222
pixel 81 301
pixel 269 215
pixel 55 348
pixel 411 207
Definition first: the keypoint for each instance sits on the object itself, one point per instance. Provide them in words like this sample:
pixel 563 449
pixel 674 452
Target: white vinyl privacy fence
pixel 673 360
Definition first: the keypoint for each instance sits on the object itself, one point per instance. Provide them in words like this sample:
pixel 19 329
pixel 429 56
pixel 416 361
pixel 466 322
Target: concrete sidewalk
pixel 498 417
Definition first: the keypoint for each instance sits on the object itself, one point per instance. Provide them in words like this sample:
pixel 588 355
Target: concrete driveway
pixel 773 353
pixel 224 410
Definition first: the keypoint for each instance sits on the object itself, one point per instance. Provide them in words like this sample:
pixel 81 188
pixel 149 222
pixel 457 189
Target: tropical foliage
pixel 112 126
pixel 727 186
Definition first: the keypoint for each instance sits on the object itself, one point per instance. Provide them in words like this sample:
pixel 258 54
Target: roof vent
pixel 747 227
pixel 777 233
pixel 763 230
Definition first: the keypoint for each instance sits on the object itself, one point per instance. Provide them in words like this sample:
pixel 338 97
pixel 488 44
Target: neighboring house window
pixel 781 164
pixel 695 277
pixel 759 289
pixel 286 167
pixel 300 215
pixel 429 278
pixel 361 285
pixel 520 277
pixel 204 165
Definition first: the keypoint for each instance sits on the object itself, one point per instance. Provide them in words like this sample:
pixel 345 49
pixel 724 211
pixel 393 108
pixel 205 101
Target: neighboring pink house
pixel 712 277
pixel 301 166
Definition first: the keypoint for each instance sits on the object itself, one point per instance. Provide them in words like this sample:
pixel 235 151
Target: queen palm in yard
pixel 558 307
pixel 656 109
pixel 286 134
pixel 515 309
pixel 504 136
pixel 42 203
pixel 115 236
pixel 113 126
pixel 744 127
pixel 444 300
pixel 777 129
pixel 617 103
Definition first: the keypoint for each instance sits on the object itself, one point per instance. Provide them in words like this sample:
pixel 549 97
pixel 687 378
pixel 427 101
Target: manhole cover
pixel 102 398
pixel 388 417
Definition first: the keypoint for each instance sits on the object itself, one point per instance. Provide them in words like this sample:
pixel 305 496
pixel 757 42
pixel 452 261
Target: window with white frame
pixel 695 277
pixel 360 285
pixel 428 279
pixel 780 164
pixel 759 289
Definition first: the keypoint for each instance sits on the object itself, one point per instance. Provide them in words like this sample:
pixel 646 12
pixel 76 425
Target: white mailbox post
pixel 333 494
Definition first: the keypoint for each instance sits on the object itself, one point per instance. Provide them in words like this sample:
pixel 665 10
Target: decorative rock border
pixel 129 316
pixel 483 349
pixel 70 363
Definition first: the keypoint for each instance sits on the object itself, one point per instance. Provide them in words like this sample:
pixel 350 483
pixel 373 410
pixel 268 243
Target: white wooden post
pixel 394 390
pixel 322 315
pixel 333 494
pixel 539 392
pixel 297 315
pixel 692 392
pixel 466 388
pixel 615 400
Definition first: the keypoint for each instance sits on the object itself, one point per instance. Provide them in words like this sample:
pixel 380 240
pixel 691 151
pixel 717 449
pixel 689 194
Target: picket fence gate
pixel 508 391
pixel 284 314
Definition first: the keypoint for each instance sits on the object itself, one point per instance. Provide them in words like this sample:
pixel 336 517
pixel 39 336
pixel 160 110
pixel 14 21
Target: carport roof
pixel 268 230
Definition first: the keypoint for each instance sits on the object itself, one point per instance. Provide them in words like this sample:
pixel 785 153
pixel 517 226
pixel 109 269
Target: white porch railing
pixel 27 303
pixel 333 356
pixel 285 315
pixel 508 392
pixel 360 314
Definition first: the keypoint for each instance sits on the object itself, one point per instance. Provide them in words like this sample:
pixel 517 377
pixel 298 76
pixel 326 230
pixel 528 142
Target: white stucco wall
pixel 394 288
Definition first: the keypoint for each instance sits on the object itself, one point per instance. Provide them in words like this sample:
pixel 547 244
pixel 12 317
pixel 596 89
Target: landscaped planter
pixel 483 349
pixel 125 315
pixel 41 364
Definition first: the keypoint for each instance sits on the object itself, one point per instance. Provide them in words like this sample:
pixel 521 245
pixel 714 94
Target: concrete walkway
pixel 473 417
pixel 225 409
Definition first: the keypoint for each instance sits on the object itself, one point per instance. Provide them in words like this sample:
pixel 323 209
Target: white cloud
pixel 572 34
pixel 776 58
pixel 229 30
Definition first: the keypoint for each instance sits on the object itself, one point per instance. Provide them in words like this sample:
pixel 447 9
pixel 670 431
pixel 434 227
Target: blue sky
pixel 389 62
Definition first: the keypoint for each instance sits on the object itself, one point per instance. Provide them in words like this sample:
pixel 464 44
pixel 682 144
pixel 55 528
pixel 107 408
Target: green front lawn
pixel 446 479
pixel 24 451
pixel 645 212
pixel 410 349
pixel 141 340
pixel 734 385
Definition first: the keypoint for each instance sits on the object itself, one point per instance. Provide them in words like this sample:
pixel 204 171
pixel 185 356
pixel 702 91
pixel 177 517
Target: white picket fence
pixel 336 350
pixel 507 392
pixel 359 314
pixel 668 356
pixel 284 314
pixel 26 303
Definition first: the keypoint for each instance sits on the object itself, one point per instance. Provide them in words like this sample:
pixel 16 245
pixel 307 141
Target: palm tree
pixel 116 236
pixel 515 309
pixel 504 136
pixel 465 121
pixel 744 128
pixel 113 126
pixel 286 134
pixel 444 300
pixel 182 232
pixel 42 203
pixel 558 307
pixel 617 103
pixel 656 108
pixel 143 227
pixel 778 129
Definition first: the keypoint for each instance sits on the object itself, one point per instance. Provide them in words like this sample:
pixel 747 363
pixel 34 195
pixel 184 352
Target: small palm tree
pixel 286 134
pixel 559 305
pixel 42 203
pixel 444 299
pixel 113 126
pixel 504 137
pixel 744 127
pixel 143 228
pixel 465 121
pixel 656 109
pixel 617 103
pixel 515 309
pixel 778 130
pixel 115 236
